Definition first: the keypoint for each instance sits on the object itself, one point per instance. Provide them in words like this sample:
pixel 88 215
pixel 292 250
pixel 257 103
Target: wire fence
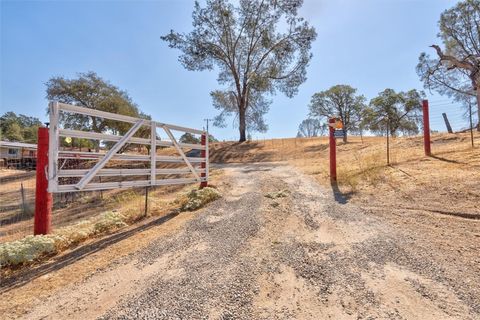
pixel 17 200
pixel 17 196
pixel 17 179
pixel 453 117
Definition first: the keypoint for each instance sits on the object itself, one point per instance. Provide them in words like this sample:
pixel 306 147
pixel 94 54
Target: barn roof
pixel 11 144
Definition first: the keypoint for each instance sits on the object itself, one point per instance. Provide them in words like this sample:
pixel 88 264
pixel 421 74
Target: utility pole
pixel 208 120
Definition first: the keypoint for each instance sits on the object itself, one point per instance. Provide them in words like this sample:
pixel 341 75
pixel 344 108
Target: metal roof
pixel 11 144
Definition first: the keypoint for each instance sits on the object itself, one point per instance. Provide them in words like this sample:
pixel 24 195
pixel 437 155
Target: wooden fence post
pixel 426 129
pixel 333 150
pixel 43 199
pixel 447 123
pixel 203 165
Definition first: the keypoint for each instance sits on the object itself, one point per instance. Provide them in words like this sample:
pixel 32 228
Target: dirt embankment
pixel 277 246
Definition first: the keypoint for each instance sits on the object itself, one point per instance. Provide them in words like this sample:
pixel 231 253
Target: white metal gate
pixel 195 166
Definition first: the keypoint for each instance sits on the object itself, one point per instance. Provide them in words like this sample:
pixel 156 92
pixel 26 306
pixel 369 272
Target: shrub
pixel 197 198
pixel 75 233
pixel 26 249
pixel 31 248
pixel 109 221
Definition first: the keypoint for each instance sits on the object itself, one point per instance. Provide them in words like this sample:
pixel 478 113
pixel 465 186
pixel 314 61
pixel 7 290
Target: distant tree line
pixel 390 113
pixel 19 128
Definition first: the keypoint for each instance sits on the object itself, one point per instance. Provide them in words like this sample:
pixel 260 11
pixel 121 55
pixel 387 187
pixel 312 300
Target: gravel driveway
pixel 276 246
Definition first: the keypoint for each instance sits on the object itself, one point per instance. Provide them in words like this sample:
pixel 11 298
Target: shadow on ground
pixel 339 196
pixel 77 254
pixel 447 160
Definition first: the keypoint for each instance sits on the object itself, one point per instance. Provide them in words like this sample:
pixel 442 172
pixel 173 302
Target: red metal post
pixel 333 151
pixel 426 128
pixel 43 199
pixel 203 165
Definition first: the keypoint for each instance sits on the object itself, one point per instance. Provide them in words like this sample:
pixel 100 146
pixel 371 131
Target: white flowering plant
pixel 197 198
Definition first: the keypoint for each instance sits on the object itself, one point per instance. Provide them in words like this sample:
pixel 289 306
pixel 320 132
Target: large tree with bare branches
pixel 455 71
pixel 258 46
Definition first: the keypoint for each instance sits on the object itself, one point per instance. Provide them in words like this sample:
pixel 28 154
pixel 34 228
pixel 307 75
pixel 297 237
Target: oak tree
pixel 258 46
pixel 340 101
pixel 91 91
pixel 455 71
pixel 392 113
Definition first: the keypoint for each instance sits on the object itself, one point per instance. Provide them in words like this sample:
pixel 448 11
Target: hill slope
pixel 446 183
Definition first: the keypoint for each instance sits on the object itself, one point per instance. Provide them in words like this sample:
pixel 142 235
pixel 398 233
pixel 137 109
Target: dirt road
pixel 276 246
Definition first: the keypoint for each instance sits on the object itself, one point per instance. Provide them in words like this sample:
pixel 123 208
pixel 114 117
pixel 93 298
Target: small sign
pixel 338 124
pixel 338 134
pixel 68 139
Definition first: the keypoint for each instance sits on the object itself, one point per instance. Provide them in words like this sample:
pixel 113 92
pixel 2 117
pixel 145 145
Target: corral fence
pixel 133 171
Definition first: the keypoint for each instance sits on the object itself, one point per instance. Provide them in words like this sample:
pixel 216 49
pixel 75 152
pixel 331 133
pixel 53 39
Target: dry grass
pixel 446 183
pixel 31 248
pixel 16 216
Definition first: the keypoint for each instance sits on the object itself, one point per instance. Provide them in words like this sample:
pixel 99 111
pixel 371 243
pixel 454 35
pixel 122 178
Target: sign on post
pixel 333 123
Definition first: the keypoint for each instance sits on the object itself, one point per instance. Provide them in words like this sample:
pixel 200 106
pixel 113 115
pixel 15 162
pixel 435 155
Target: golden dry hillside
pixel 446 183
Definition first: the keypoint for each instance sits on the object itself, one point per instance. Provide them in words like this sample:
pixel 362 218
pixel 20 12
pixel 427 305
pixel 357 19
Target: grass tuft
pixel 278 194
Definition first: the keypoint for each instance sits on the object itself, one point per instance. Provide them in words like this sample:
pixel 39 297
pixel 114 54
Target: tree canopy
pixel 258 46
pixel 91 91
pixel 20 127
pixel 455 71
pixel 187 137
pixel 190 138
pixel 339 101
pixel 392 113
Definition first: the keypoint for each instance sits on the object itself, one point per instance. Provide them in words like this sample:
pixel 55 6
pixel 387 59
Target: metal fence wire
pixel 113 181
pixel 17 201
pixel 17 197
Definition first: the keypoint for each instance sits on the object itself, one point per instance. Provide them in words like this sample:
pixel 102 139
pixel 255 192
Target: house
pixel 18 155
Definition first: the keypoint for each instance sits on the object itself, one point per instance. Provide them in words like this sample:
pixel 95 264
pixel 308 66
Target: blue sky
pixel 369 44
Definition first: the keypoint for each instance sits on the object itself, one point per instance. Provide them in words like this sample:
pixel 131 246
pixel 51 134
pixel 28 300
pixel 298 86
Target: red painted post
pixel 203 165
pixel 43 199
pixel 333 151
pixel 426 128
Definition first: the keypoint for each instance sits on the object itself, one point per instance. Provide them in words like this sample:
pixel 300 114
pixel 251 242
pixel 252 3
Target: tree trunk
pixel 344 135
pixel 95 129
pixel 242 124
pixel 478 108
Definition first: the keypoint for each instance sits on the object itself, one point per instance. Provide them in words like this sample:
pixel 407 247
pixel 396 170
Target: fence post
pixel 426 128
pixel 43 199
pixel 333 151
pixel 203 165
pixel 447 123
pixel 24 203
